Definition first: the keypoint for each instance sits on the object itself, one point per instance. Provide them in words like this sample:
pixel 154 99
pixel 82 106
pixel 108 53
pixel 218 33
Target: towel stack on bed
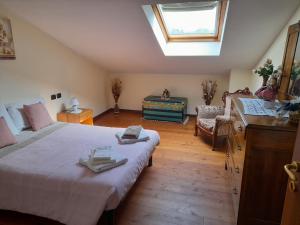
pixel 102 159
pixel 132 134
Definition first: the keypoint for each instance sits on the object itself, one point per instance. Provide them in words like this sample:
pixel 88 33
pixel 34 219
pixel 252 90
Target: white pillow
pixel 18 117
pixel 15 110
pixel 8 120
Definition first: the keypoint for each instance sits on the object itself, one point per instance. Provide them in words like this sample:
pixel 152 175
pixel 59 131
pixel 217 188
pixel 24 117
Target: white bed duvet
pixel 41 175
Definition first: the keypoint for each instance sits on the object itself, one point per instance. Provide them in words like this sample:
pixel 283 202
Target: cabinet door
pixel 264 187
pixel 291 212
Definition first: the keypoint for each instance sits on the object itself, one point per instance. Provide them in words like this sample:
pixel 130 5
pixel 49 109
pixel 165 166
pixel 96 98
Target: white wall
pixel 276 51
pixel 137 86
pixel 43 67
pixel 239 79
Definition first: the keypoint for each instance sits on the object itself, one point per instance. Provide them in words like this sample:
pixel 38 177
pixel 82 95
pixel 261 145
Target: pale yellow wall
pixel 239 79
pixel 276 51
pixel 138 86
pixel 43 67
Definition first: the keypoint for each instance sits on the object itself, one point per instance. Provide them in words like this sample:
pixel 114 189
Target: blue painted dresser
pixel 172 109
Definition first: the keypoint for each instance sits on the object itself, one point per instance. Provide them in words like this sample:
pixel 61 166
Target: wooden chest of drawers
pixel 258 148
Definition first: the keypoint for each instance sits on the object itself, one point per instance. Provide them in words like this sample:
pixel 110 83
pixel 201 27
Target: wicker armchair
pixel 212 121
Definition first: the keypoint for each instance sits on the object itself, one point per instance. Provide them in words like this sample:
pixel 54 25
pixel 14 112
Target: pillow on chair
pixel 37 116
pixel 6 136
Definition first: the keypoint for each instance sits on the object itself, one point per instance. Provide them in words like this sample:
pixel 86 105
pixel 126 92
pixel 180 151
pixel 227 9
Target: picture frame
pixel 7 48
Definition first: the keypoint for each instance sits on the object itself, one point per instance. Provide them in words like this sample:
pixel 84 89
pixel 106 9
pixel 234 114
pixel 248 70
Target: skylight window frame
pixel 193 38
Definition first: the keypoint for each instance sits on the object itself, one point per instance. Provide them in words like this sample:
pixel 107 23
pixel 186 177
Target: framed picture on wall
pixel 7 48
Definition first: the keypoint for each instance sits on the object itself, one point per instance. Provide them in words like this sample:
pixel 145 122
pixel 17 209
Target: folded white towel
pixel 132 132
pixel 142 137
pixel 103 159
pixel 99 168
pixel 101 153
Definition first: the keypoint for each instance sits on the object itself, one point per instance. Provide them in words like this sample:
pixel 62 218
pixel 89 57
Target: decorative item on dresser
pixel 211 119
pixel 258 148
pixel 166 94
pixel 173 109
pixel 84 117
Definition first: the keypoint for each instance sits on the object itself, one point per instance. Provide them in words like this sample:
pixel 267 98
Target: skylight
pixel 188 28
pixel 191 20
pixel 188 19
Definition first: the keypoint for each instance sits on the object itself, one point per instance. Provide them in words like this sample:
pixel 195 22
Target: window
pixel 191 21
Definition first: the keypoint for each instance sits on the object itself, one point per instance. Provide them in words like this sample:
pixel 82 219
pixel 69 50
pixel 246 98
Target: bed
pixel 40 175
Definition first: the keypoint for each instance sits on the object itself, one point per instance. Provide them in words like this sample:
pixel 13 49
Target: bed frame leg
pixel 111 217
pixel 150 162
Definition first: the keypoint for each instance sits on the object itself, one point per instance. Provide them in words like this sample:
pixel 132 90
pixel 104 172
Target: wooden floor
pixel 185 186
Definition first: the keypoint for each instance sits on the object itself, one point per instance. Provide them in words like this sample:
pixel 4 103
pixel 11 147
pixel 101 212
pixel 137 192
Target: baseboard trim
pixel 103 113
pixel 131 110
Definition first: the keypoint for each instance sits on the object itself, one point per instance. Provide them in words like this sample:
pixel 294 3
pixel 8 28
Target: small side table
pixel 85 117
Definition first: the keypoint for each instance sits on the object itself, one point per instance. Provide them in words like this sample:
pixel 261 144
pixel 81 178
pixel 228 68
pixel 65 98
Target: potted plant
pixel 266 71
pixel 116 91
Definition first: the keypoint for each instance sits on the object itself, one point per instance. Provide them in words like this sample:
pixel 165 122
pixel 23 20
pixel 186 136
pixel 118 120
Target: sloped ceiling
pixel 116 35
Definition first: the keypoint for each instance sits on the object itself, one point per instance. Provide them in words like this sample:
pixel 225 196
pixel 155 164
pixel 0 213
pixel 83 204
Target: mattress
pixel 41 175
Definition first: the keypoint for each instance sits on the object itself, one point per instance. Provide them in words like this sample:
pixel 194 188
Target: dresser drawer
pixel 238 126
pixel 237 147
pixel 235 192
pixel 233 179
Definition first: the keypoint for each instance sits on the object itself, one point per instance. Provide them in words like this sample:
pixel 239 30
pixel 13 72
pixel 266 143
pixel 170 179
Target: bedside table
pixel 85 117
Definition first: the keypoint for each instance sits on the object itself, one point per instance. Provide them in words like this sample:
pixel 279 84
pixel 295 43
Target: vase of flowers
pixel 266 71
pixel 116 91
pixel 209 90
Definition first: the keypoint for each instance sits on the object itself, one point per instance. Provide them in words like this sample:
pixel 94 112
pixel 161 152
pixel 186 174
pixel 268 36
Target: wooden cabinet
pixel 258 148
pixel 85 117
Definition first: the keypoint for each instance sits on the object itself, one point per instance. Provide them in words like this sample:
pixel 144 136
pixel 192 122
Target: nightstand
pixel 85 117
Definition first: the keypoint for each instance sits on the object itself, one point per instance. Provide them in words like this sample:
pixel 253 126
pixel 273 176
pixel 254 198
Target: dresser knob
pixel 237 169
pixel 239 148
pixel 234 190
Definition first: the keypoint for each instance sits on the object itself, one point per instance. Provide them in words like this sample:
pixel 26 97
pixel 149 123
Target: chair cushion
pixel 209 111
pixel 207 124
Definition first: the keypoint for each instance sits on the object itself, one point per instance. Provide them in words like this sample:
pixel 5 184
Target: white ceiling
pixel 116 35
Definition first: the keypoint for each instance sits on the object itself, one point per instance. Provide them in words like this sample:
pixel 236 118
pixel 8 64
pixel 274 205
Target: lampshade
pixel 74 102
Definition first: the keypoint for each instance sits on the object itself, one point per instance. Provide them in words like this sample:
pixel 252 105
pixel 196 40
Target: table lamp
pixel 75 105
